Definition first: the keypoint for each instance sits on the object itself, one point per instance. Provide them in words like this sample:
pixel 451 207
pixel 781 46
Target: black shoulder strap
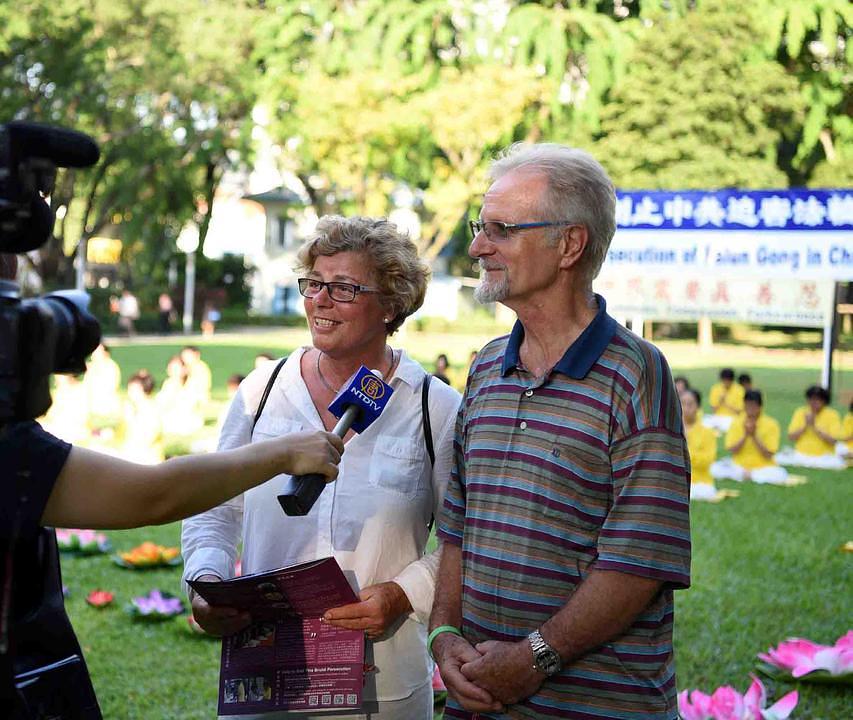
pixel 427 429
pixel 267 390
pixel 425 412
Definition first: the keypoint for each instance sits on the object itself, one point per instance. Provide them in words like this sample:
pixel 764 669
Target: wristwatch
pixel 545 658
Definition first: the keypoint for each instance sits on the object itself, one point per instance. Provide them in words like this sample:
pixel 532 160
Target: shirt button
pixel 528 393
pixel 523 425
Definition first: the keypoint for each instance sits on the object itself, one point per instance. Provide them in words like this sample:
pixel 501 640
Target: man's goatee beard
pixel 489 292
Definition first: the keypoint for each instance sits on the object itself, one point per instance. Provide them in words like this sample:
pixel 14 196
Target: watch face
pixel 545 658
pixel 548 662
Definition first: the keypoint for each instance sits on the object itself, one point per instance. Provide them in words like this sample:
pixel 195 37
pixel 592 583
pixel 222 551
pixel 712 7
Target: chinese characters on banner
pixel 805 303
pixel 733 233
pixel 767 256
pixel 736 210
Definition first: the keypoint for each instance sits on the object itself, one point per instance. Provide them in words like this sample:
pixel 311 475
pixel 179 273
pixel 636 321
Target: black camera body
pixel 52 334
pixel 56 333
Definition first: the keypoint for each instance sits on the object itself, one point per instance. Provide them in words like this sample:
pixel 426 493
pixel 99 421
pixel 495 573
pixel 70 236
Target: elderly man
pixel 565 523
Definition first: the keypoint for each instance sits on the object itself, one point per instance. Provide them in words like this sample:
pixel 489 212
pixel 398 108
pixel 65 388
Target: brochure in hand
pixel 288 658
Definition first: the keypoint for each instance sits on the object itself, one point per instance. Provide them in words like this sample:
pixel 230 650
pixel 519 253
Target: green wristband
pixel 435 633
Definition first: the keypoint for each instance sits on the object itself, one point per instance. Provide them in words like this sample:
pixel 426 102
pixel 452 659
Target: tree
pixel 700 106
pixel 372 95
pixel 165 90
pixel 812 41
pixel 471 115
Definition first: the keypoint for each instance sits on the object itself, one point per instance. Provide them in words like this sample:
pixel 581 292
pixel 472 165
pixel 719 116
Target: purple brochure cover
pixel 288 659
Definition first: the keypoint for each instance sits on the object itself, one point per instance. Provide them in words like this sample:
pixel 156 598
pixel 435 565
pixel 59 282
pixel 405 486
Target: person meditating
pixel 726 399
pixel 814 429
pixel 752 440
pixel 701 444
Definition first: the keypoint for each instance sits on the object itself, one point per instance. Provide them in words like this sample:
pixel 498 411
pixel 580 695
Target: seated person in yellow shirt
pixel 102 382
pixel 814 430
pixel 753 440
pixel 142 429
pixel 701 444
pixel 199 381
pixel 68 416
pixel 726 400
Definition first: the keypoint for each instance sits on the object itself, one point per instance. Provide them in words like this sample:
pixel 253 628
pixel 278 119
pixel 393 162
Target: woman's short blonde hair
pixel 398 272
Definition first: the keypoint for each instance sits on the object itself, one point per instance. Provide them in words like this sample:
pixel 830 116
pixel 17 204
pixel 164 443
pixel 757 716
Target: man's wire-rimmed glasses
pixel 338 291
pixel 496 230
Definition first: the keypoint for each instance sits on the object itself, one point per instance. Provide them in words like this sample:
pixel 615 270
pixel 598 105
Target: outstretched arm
pixel 100 491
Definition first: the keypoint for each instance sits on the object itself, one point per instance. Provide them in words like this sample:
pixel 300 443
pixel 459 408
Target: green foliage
pixel 166 90
pixel 230 275
pixel 383 94
pixel 813 41
pixel 367 96
pixel 697 108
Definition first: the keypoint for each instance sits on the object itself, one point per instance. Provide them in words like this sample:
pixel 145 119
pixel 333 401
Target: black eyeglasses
pixel 500 230
pixel 338 291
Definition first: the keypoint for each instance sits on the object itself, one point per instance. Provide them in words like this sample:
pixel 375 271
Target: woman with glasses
pixel 360 278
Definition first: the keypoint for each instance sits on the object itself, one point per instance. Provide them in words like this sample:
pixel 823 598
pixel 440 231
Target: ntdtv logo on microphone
pixel 373 387
pixel 365 391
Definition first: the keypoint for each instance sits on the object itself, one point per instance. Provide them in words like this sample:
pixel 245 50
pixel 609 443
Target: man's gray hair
pixel 579 190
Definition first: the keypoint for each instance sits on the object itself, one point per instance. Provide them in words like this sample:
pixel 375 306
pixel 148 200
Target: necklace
pixel 326 382
pixel 322 377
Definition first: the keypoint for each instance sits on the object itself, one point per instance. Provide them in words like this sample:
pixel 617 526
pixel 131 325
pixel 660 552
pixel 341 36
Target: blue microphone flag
pixel 368 393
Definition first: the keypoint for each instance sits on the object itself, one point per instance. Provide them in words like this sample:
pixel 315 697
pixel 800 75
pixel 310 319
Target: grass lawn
pixel 766 565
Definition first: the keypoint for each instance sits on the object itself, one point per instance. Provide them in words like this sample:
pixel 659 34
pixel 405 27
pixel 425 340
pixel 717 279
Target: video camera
pixel 54 333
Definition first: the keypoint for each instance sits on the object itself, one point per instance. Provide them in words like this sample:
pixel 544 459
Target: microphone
pixel 361 400
pixel 65 148
pixel 28 229
pixel 29 156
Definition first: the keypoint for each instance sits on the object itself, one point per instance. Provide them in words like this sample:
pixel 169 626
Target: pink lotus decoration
pixel 799 658
pixel 726 703
pixel 84 542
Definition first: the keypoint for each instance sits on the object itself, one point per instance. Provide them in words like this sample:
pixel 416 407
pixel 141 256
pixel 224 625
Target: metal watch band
pixel 545 658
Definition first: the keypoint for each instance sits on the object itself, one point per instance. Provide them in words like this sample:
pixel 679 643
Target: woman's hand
pixel 311 452
pixel 379 608
pixel 217 619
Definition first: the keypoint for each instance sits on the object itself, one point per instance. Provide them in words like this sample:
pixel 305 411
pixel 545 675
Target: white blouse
pixel 373 519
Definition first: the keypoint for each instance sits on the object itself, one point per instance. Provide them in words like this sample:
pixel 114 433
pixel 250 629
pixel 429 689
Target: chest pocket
pixel 578 476
pixel 397 467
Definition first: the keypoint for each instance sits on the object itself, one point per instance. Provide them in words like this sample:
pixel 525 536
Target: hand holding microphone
pixel 357 405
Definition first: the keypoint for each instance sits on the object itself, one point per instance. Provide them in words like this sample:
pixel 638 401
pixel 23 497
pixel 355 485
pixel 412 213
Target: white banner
pixel 825 255
pixel 680 297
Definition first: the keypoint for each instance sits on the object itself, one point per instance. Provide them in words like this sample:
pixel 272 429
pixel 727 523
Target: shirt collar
pixel 580 356
pixel 408 371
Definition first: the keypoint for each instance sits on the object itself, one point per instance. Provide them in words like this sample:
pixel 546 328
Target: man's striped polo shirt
pixel 587 465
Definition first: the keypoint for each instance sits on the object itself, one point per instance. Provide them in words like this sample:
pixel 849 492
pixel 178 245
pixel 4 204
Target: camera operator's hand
pixel 310 452
pixel 217 619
